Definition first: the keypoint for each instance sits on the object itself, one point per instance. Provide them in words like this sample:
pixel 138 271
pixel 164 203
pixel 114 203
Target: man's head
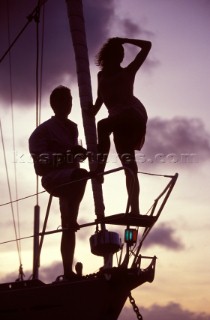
pixel 61 101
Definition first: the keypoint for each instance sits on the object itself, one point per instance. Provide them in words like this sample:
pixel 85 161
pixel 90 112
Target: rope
pixel 35 15
pixel 134 251
pixel 41 64
pixel 30 18
pixel 36 18
pixel 106 172
pixel 20 199
pixel 13 127
pixel 48 208
pixel 40 192
pixel 10 194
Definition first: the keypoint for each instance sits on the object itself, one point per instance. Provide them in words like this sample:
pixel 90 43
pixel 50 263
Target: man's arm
pixel 39 150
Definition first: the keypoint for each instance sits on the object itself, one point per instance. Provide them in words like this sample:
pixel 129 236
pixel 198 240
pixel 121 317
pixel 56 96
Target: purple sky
pixel 174 87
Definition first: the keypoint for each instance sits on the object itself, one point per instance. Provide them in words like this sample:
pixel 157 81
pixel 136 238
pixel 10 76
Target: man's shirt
pixel 50 145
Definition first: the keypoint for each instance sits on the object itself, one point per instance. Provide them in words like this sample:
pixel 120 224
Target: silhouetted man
pixel 56 154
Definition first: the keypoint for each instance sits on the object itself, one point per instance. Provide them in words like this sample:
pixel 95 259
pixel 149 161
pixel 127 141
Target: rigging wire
pixel 41 63
pixel 20 199
pixel 34 15
pixel 39 68
pixel 30 18
pixel 37 16
pixel 10 194
pixel 13 127
pixel 40 192
pixel 135 247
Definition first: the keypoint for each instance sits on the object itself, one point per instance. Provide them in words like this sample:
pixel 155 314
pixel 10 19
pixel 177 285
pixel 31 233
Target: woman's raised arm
pixel 141 56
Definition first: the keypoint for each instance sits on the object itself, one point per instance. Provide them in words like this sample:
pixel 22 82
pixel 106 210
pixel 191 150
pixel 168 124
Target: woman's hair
pixel 111 53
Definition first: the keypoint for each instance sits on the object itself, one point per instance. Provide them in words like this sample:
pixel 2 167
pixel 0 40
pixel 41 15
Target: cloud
pixel 175 141
pixel 178 141
pixel 129 28
pixel 171 311
pixel 49 273
pixel 164 236
pixel 10 277
pixel 58 55
pixel 98 15
pixel 46 274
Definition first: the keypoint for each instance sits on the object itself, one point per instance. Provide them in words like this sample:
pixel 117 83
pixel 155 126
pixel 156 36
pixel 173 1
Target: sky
pixel 173 84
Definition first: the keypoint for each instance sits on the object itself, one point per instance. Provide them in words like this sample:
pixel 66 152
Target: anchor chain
pixel 135 308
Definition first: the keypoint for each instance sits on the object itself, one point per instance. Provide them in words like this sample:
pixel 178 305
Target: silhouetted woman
pixel 127 116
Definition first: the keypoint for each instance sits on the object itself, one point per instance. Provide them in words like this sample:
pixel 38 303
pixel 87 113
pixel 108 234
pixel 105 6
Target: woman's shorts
pixel 128 128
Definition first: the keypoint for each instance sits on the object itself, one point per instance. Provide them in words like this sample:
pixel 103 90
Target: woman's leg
pixel 128 130
pixel 125 133
pixel 127 158
pixel 104 130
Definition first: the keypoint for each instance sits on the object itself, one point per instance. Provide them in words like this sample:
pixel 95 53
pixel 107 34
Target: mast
pixel 77 28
